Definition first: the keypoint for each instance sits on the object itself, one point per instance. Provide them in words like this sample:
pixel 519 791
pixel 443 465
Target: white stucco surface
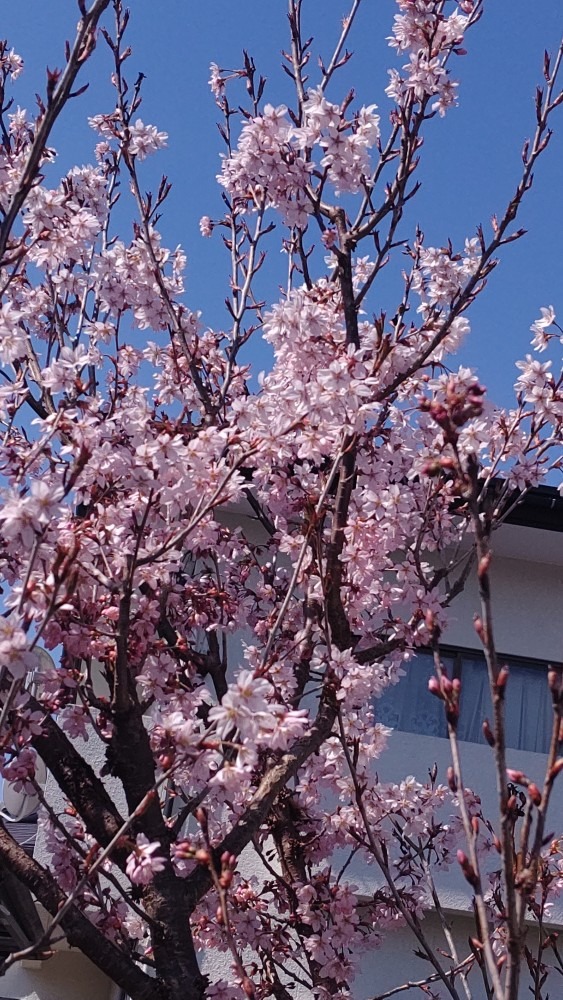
pixel 527 599
pixel 65 976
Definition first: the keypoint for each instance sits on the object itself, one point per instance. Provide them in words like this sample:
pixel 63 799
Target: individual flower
pixel 539 327
pixel 205 226
pixel 143 862
pixel 216 81
pixel 145 139
pixel 11 63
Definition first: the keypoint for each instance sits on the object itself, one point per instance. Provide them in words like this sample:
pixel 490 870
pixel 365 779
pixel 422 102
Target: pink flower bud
pixel 447 686
pixel 479 627
pixel 434 687
pixel 183 849
pixel 502 678
pixel 518 777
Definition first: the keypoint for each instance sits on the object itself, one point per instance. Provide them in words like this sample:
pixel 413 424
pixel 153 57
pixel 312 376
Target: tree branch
pixel 84 45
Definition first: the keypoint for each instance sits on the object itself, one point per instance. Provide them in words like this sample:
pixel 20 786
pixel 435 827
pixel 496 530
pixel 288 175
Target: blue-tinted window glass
pixel 529 712
pixel 409 707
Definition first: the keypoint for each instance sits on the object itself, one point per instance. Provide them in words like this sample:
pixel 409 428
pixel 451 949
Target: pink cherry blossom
pixel 143 862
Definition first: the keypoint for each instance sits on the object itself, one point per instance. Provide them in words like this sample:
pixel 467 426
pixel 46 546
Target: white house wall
pixel 68 975
pixel 527 599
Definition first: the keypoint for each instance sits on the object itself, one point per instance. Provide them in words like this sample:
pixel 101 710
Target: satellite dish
pixel 44 661
pixel 20 804
pixel 45 658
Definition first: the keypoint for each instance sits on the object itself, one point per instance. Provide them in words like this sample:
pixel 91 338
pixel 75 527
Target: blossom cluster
pixel 423 33
pixel 272 165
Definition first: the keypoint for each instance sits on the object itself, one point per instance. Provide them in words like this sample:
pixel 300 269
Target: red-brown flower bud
pixel 534 793
pixel 484 564
pixel 555 683
pixel 432 468
pixel 248 987
pixel 468 869
pixel 430 620
pixel 201 816
pixel 488 733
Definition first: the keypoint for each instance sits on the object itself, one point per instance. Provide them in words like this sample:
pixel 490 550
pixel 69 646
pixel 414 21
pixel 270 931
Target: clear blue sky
pixel 471 160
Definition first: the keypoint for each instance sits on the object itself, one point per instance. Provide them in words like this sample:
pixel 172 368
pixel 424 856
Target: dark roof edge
pixel 540 507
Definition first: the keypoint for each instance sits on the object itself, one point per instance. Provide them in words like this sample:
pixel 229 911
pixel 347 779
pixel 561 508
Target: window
pixel 408 706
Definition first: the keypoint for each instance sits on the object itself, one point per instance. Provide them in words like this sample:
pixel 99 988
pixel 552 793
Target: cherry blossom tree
pixel 233 675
